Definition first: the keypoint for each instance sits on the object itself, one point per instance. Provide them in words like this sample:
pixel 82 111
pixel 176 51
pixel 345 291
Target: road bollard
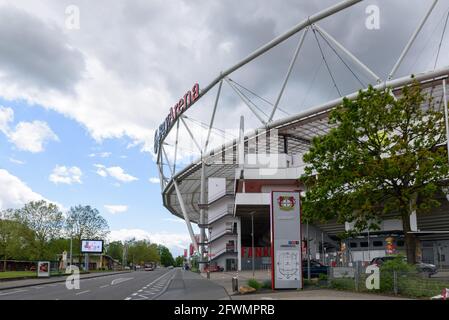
pixel 235 284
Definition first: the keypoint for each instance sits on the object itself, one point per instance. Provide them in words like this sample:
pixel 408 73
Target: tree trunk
pixel 4 264
pixel 410 239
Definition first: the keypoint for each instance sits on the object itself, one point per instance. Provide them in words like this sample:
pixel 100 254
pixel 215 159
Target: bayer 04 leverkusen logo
pixel 286 203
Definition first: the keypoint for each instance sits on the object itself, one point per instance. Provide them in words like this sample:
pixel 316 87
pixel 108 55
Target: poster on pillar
pixel 286 237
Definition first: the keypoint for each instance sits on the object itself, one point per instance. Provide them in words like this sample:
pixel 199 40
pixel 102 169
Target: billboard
pixel 286 240
pixel 91 246
pixel 43 269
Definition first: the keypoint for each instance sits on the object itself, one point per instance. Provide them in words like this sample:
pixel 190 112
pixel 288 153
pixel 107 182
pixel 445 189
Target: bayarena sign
pixel 179 108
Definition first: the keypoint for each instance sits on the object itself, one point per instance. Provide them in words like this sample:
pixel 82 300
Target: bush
pixel 387 270
pixel 253 283
pixel 322 276
pixel 266 284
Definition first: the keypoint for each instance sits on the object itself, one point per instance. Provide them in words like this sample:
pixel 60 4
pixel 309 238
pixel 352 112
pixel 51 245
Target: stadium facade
pixel 227 191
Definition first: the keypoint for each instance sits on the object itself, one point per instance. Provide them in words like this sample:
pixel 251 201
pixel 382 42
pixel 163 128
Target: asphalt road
pixel 137 285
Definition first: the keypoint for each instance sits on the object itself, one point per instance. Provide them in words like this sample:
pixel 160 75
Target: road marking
pixel 128 298
pixel 12 292
pixel 105 286
pixel 82 292
pixel 120 280
pixel 37 287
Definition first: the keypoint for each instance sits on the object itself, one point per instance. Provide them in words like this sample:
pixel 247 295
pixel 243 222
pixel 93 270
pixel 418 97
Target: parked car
pixel 214 268
pixel 316 268
pixel 421 267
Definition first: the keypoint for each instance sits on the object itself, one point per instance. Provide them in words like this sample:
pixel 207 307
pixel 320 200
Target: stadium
pixel 225 188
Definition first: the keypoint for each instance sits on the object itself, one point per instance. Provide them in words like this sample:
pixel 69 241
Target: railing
pixel 227 211
pixel 226 232
pixel 401 282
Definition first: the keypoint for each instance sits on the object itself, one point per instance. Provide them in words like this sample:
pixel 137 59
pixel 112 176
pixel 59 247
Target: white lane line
pixel 82 292
pixel 105 286
pixel 12 292
pixel 120 280
pixel 128 298
pixel 134 294
pixel 37 287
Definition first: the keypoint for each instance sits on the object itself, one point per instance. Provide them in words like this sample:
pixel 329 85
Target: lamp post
pixel 252 241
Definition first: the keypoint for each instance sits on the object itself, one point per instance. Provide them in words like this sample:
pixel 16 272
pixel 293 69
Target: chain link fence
pixel 411 284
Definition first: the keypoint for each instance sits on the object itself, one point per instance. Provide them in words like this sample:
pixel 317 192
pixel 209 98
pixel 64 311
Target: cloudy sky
pixel 79 102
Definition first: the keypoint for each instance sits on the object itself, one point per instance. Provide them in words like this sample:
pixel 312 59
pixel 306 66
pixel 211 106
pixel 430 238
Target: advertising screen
pixel 91 246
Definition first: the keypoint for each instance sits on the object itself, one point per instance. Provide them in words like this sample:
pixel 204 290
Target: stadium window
pixel 378 243
pixel 364 244
pixel 353 244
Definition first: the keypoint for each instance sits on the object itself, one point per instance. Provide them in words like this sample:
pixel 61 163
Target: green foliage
pixel 142 251
pixel 253 283
pixel 166 256
pixel 266 284
pixel 115 250
pixel 322 276
pixel 85 222
pixel 398 264
pixel 179 261
pixel 380 157
pixel 45 219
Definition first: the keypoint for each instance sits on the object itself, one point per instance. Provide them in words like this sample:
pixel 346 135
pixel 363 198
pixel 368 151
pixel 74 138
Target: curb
pixel 59 280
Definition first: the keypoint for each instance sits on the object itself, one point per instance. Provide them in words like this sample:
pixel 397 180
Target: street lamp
pixel 252 240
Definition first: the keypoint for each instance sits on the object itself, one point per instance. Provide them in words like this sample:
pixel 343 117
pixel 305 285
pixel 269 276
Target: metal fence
pixel 411 284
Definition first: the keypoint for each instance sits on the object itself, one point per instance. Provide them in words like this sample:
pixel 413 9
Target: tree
pixel 142 251
pixel 15 240
pixel 115 250
pixel 179 261
pixel 45 219
pixel 382 156
pixel 166 256
pixel 85 222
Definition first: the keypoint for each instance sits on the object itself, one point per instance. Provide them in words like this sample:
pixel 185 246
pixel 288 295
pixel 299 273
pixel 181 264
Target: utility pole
pixel 252 241
pixel 308 251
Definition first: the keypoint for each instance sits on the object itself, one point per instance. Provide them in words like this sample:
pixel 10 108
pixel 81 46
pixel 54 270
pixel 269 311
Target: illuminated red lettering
pixel 188 99
pixel 258 252
pixel 195 92
pixel 266 251
pixel 181 105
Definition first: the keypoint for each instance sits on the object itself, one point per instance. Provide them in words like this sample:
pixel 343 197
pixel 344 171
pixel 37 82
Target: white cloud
pixel 27 136
pixel 170 240
pixel 31 136
pixel 16 161
pixel 114 172
pixel 66 175
pixel 154 180
pixel 115 209
pixel 177 220
pixel 14 193
pixel 6 116
pixel 100 155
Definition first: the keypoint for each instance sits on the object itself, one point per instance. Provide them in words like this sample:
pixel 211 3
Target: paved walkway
pixel 12 284
pixel 225 280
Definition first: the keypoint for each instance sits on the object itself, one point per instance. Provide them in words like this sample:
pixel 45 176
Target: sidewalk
pixel 4 285
pixel 225 280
